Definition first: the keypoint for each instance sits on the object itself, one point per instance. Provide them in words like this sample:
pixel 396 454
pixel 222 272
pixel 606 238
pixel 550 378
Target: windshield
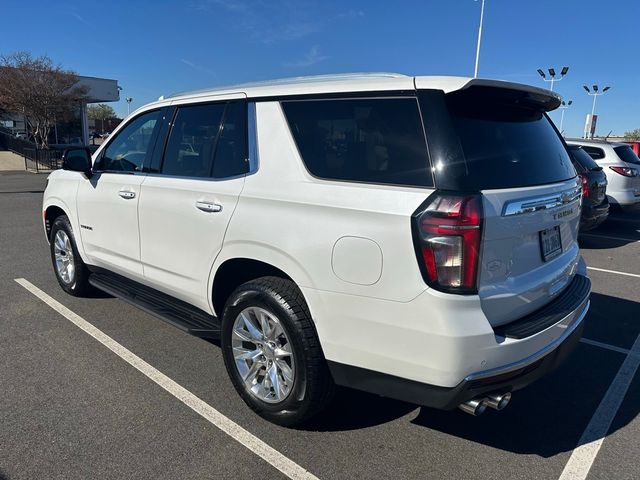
pixel 626 154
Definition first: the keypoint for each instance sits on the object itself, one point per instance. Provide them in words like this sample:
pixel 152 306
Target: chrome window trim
pixel 542 202
pixel 252 140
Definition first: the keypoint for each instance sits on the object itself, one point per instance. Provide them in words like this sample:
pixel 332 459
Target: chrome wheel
pixel 263 355
pixel 63 254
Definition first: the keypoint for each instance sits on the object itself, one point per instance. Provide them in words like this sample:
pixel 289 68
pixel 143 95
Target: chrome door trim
pixel 127 194
pixel 542 202
pixel 252 138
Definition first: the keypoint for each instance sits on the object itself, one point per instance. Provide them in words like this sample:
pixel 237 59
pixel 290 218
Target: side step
pixel 176 312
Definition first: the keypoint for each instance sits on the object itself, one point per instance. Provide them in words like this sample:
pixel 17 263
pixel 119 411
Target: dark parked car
pixel 595 206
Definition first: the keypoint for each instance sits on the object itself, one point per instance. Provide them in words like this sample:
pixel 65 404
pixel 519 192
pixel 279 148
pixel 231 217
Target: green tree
pixel 100 112
pixel 633 135
pixel 40 90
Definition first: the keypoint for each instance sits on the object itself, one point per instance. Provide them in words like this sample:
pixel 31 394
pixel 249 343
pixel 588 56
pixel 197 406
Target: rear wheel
pixel 70 270
pixel 272 352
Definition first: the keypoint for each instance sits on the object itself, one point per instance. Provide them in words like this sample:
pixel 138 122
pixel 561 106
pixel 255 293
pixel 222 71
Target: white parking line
pixel 614 271
pixel 607 346
pixel 581 460
pixel 242 436
pixel 609 237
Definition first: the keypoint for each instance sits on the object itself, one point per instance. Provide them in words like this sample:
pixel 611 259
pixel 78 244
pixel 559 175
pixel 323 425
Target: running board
pixel 176 312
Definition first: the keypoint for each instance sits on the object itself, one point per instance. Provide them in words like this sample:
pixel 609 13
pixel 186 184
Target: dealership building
pixel 75 130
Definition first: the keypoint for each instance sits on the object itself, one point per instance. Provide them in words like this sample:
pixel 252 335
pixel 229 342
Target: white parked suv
pixel 622 168
pixel 414 237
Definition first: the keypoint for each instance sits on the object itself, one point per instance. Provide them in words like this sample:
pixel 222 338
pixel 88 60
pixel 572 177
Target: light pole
pixel 590 120
pixel 552 74
pixel 128 100
pixel 475 72
pixel 563 107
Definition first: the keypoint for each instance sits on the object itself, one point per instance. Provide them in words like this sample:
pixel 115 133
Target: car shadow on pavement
pixel 3 476
pixel 353 410
pixel 615 232
pixel 549 416
pixel 544 419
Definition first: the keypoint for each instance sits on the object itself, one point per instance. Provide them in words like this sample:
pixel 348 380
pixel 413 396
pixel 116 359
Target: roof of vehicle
pixel 359 82
pixel 593 142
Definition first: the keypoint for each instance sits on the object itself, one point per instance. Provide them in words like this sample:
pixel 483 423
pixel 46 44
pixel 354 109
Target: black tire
pixel 77 286
pixel 313 386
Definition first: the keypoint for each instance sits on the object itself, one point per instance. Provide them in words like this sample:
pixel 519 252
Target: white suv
pixel 414 237
pixel 622 168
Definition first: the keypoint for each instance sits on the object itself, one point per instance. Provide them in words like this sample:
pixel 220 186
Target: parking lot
pixel 74 402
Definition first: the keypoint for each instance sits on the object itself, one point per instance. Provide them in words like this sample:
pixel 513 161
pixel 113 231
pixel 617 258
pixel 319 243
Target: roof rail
pixel 295 80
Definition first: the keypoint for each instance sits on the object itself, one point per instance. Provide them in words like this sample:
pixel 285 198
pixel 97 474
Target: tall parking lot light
pixel 563 107
pixel 475 71
pixel 590 124
pixel 128 100
pixel 552 75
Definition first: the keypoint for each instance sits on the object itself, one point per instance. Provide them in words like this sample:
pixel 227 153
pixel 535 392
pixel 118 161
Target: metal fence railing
pixel 37 159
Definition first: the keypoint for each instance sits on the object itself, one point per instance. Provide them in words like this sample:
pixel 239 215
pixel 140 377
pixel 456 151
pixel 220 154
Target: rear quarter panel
pixel 289 219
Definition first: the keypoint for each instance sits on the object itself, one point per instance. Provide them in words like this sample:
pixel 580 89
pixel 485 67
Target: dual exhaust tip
pixel 477 406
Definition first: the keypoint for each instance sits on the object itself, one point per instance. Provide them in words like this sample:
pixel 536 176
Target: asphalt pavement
pixel 71 408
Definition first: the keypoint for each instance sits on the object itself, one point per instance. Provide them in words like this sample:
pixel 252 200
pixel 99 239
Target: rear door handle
pixel 208 207
pixel 127 194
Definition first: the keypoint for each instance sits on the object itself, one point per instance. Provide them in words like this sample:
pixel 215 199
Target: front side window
pixel 364 140
pixel 207 141
pixel 131 146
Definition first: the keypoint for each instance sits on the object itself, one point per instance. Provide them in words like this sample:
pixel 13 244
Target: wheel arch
pixel 236 268
pixel 49 215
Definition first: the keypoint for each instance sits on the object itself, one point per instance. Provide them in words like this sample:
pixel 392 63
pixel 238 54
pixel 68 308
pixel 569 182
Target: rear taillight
pixel 447 230
pixel 626 171
pixel 585 185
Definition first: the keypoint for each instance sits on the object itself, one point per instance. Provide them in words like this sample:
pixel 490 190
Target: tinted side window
pixel 594 152
pixel 192 140
pixel 129 148
pixel 231 156
pixel 362 140
pixel 626 154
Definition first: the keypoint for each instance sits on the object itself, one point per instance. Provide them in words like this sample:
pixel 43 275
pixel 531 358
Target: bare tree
pixel 101 112
pixel 40 90
pixel 633 135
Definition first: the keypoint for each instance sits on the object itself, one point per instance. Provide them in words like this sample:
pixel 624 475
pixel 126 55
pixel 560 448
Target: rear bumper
pixel 509 376
pixel 592 216
pixel 624 198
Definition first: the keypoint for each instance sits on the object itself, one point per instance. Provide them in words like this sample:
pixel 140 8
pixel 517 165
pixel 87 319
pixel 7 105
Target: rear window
pixel 594 152
pixel 626 154
pixel 507 142
pixel 583 159
pixel 362 140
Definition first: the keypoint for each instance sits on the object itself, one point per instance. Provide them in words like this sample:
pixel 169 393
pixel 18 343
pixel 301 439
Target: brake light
pixel 447 231
pixel 626 171
pixel 585 185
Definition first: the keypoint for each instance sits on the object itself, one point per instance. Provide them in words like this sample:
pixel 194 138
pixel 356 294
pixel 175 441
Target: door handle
pixel 208 207
pixel 127 194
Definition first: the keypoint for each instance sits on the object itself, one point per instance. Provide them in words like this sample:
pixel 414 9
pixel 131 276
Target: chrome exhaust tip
pixel 498 401
pixel 475 406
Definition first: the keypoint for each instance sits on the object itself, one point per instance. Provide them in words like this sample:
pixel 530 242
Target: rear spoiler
pixel 544 99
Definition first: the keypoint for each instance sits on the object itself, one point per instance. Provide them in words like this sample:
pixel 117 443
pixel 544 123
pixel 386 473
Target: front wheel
pixel 272 353
pixel 70 270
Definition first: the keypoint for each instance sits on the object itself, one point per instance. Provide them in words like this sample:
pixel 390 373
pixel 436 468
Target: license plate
pixel 550 243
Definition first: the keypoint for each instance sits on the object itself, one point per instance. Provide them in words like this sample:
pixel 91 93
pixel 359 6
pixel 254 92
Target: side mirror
pixel 77 160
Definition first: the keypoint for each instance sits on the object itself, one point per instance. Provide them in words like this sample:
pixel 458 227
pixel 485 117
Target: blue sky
pixel 161 47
